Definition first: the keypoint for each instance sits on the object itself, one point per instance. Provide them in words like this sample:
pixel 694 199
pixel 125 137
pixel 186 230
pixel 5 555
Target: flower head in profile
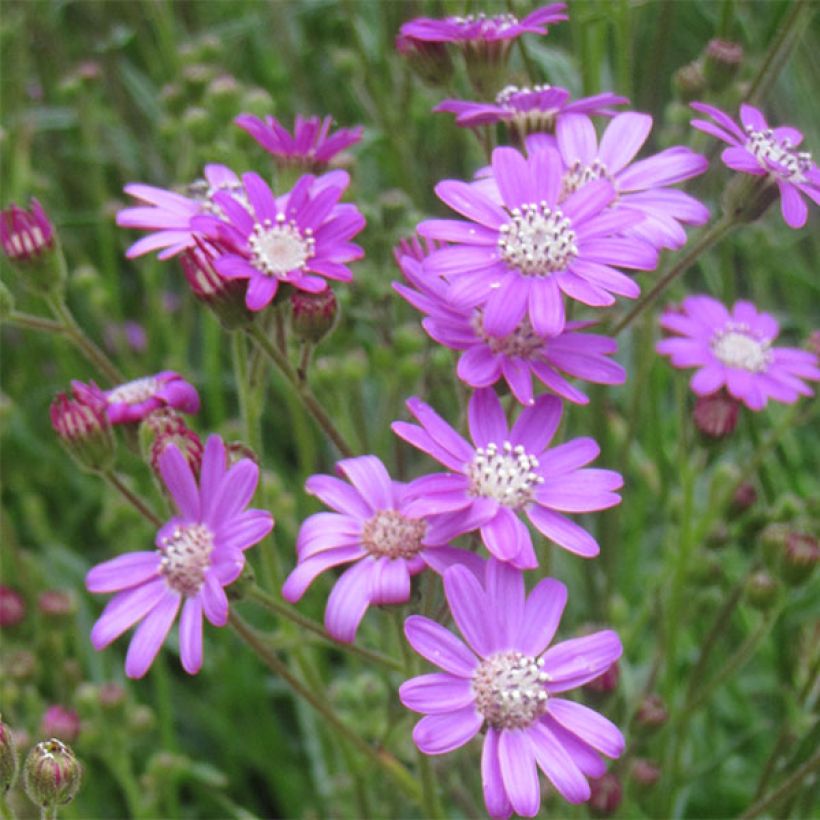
pixel 517 357
pixel 521 251
pixel 168 214
pixel 640 185
pixel 372 531
pixel 734 349
pixel 134 400
pixel 506 472
pixel 757 149
pixel 296 239
pixel 26 234
pixel 198 553
pixel 505 678
pixel 311 146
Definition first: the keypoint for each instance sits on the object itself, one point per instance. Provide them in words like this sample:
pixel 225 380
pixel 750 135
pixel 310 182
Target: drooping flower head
pixel 312 146
pixel 735 350
pixel 506 472
pixel 134 400
pixel 517 357
pixel 505 679
pixel 289 239
pixel 198 553
pixel 640 185
pixel 761 151
pixel 168 214
pixel 529 110
pixel 521 251
pixel 84 430
pixel 371 530
pixel 26 235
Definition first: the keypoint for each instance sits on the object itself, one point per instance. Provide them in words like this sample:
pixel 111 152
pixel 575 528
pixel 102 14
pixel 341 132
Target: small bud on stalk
pixel 60 723
pixel 606 795
pixel 312 315
pixel 8 758
pixel 605 683
pixel 762 590
pixel 84 431
pixel 52 774
pixel 800 558
pixel 716 415
pixel 652 712
pixel 744 497
pixel 689 81
pixel 164 427
pixel 721 63
pixel 644 772
pixel 12 607
pixel 56 605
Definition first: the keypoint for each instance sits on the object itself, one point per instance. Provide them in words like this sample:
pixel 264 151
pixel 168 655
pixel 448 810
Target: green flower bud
pixel 9 763
pixel 52 774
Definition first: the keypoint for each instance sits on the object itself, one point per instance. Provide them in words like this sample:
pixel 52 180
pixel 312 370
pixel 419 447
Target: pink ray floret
pixel 198 553
pixel 759 150
pixel 733 349
pixel 371 530
pixel 505 678
pixel 506 472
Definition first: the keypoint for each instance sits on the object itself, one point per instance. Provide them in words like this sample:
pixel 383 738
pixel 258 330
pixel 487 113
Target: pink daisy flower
pixel 506 472
pixel 518 255
pixel 735 350
pixel 759 150
pixel 134 400
pixel 505 679
pixel 529 110
pixel 638 185
pixel 285 240
pixel 199 552
pixel 168 214
pixel 311 145
pixel 371 530
pixel 517 357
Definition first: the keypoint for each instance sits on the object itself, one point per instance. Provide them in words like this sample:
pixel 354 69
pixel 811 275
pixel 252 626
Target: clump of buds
pixel 8 758
pixel 606 794
pixel 716 415
pixel 85 431
pixel 313 315
pixel 164 427
pixel 12 606
pixel 652 712
pixel 30 244
pixel 61 723
pixel 721 62
pixel 52 774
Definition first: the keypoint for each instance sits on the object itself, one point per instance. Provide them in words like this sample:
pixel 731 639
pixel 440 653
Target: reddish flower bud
pixel 8 758
pixel 813 342
pixel 689 81
pixel 744 497
pixel 644 772
pixel 29 242
pixel 52 774
pixel 605 683
pixel 722 62
pixel 164 427
pixel 312 315
pixel 605 795
pixel 652 712
pixel 800 558
pixel 12 607
pixel 60 722
pixel 716 415
pixel 85 432
pixel 111 695
pixel 57 604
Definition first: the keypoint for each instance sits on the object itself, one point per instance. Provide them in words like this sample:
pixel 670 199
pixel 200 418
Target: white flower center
pixel 736 346
pixel 523 342
pixel 280 248
pixel 498 22
pixel 509 690
pixel 389 533
pixel 537 240
pixel 769 150
pixel 186 557
pixel 505 474
pixel 25 243
pixel 134 392
pixel 578 175
pixel 203 192
pixel 511 95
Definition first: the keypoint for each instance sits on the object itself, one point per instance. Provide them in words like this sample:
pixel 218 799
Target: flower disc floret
pixel 736 346
pixel 186 557
pixel 788 162
pixel 504 473
pixel 278 248
pixel 135 391
pixel 537 240
pixel 510 690
pixel 390 533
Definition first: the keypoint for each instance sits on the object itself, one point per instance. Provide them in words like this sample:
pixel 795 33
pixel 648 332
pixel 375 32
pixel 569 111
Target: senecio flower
pixel 506 680
pixel 517 357
pixel 287 239
pixel 506 472
pixel 134 400
pixel 735 350
pixel 372 530
pixel 759 150
pixel 311 145
pixel 522 250
pixel 199 552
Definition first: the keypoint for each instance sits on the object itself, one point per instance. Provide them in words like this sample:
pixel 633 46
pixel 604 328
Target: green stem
pixel 303 390
pixel 32 322
pixel 74 332
pixel 706 240
pixel 382 759
pixel 119 485
pixel 786 789
pixel 282 609
pixel 247 404
pixel 6 812
pixel 48 812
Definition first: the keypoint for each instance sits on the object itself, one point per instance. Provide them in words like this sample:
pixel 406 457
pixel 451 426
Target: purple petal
pixel 583 755
pixel 462 198
pixel 479 367
pixel 588 201
pixel 390 582
pixel 212 470
pixel 563 532
pixel 588 725
pixel 338 496
pixel 176 473
pixel 518 771
pixel 190 635
pixel 576 662
pixel 235 492
pixel 124 610
pixel 542 614
pixel 307 570
pixel 792 205
pixel 495 795
pixel 369 476
pixel 245 530
pixel 439 734
pixel 123 572
pixel 348 601
pixel 150 635
pixel 436 694
pixel 214 601
pixel 468 603
pixel 570 456
pixel 506 306
pixel 505 590
pixel 486 418
pixel 440 646
pixel 580 492
pixel 441 432
pixel 708 379
pixel 623 138
pixel 576 139
pixel 546 307
pixel 537 424
pixel 512 175
pixel 322 531
pixel 557 765
pixel 260 292
pixel 502 535
pixel 454 230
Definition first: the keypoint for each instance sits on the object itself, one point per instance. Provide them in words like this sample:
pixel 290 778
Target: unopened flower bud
pixel 761 590
pixel 52 774
pixel 57 605
pixel 111 695
pixel 84 431
pixel 239 588
pixel 716 415
pixel 225 297
pixel 800 558
pixel 141 719
pixel 721 63
pixel 644 772
pixel 744 497
pixel 652 712
pixel 689 82
pixel 605 795
pixel 20 665
pixel 8 758
pixel 29 242
pixel 312 315
pixel 605 683
pixel 222 95
pixel 773 539
pixel 164 427
pixel 61 723
pixel 12 607
pixel 431 61
pixel 746 198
